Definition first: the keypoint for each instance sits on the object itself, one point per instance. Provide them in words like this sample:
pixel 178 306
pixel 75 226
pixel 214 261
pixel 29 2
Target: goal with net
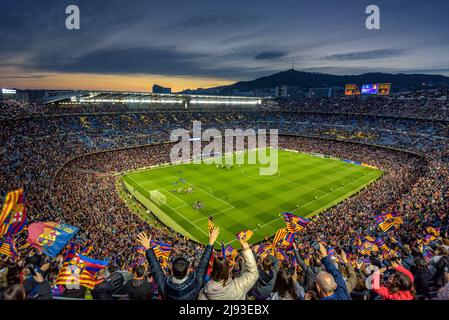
pixel 157 197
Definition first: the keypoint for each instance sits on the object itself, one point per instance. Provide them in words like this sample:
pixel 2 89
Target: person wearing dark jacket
pixel 104 289
pixel 422 277
pixel 182 285
pixel 37 288
pixel 310 271
pixel 330 285
pixel 267 278
pixel 139 288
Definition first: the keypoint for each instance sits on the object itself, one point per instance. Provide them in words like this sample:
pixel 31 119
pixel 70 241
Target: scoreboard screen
pixel 350 89
pixel 370 89
pixel 384 89
pixel 379 89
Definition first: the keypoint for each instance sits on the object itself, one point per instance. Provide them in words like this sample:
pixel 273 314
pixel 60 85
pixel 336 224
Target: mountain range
pixel 306 80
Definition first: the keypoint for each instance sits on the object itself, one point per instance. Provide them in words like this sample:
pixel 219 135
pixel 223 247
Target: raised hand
pixel 244 244
pixel 144 240
pixel 213 235
pixel 323 251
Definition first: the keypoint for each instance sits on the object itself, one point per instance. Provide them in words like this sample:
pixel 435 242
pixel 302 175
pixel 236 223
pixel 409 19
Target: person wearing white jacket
pixel 221 287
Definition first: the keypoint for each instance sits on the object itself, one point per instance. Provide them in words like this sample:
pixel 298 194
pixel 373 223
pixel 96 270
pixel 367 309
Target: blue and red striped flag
pixel 8 248
pixel 295 223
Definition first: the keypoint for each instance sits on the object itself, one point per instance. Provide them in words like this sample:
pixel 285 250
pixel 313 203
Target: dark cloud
pixel 208 22
pixel 367 55
pixel 231 39
pixel 269 55
pixel 158 60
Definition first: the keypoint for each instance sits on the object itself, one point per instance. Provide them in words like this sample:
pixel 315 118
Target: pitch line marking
pixel 331 192
pixel 210 194
pixel 270 222
pixel 215 215
pixel 176 211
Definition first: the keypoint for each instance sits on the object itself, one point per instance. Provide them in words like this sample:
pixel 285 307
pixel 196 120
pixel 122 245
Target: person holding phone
pixel 310 271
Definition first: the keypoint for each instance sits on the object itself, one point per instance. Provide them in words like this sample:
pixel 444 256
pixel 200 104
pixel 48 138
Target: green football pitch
pixel 239 198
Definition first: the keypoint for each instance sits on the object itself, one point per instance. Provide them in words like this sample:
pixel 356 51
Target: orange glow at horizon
pixel 143 83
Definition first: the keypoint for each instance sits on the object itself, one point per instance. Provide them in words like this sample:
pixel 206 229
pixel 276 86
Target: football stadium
pixel 179 158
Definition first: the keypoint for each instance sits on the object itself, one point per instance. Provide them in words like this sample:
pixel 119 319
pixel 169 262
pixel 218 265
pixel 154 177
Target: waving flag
pixel 210 224
pixel 381 244
pixel 80 271
pixel 288 239
pixel 93 265
pixel 223 250
pixel 388 220
pixel 429 239
pixel 8 248
pixel 244 235
pixel 295 223
pixel 13 216
pixel 282 255
pixel 50 237
pixel 265 249
pixel 433 231
pixel 367 247
pixel 230 252
pixel 161 251
pixel 280 235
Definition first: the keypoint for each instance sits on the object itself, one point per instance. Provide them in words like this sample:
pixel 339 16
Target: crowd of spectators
pixel 51 157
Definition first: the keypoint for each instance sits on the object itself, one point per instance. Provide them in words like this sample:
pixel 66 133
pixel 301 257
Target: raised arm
pixel 298 258
pixel 156 270
pixel 205 258
pixel 249 273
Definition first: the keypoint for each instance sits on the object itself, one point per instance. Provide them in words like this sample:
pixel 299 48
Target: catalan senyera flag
pixel 388 220
pixel 280 235
pixel 294 223
pixel 288 239
pixel 80 271
pixel 162 252
pixel 230 252
pixel 210 224
pixel 8 248
pixel 13 216
pixel 50 237
pixel 244 235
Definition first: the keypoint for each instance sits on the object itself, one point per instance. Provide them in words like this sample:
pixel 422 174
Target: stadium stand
pixel 66 158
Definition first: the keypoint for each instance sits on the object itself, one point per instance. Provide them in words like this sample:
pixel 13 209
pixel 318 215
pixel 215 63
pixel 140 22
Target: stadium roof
pixel 144 97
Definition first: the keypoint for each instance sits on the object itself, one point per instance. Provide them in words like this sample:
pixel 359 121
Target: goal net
pixel 157 197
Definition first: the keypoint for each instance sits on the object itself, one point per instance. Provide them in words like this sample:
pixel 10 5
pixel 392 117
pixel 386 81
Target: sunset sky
pixel 131 45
